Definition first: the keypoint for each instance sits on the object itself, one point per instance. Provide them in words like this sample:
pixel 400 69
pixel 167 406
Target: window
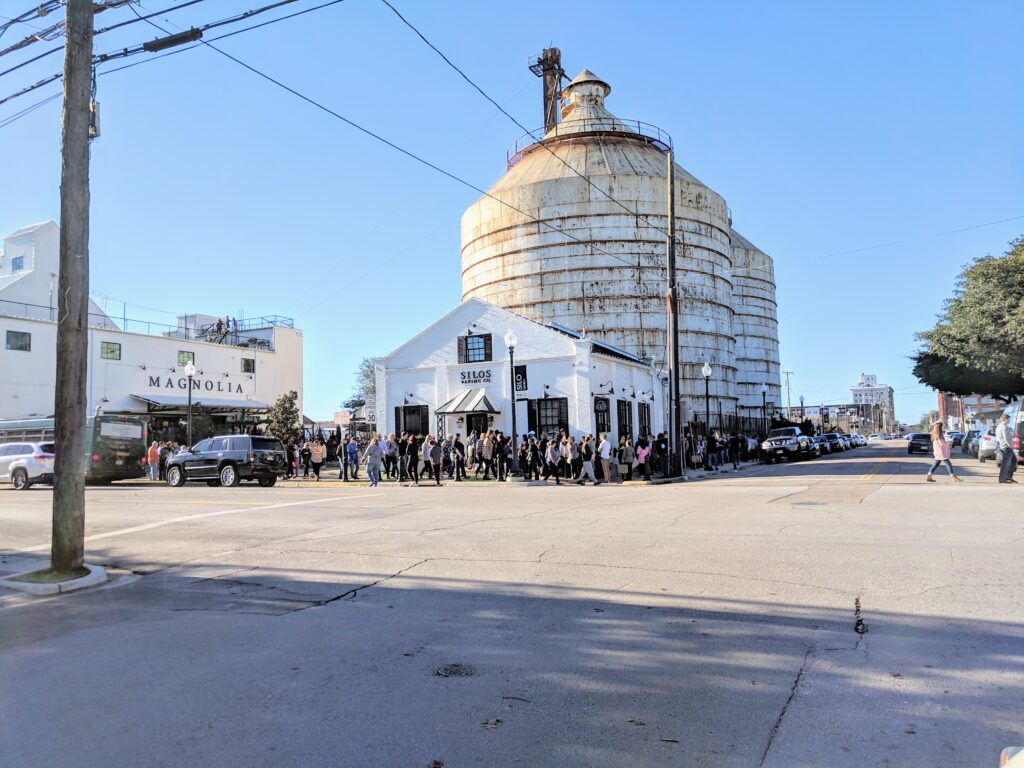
pixel 248 365
pixel 184 358
pixel 238 443
pixel 644 410
pixel 548 416
pixel 19 341
pixel 110 350
pixel 17 263
pixel 625 408
pixel 219 444
pixel 602 416
pixel 475 348
pixel 203 445
pixel 415 420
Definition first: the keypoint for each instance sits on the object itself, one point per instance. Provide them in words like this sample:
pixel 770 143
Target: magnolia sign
pixel 198 385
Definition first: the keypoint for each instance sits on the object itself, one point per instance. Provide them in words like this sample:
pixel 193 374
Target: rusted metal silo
pixel 593 265
pixel 755 326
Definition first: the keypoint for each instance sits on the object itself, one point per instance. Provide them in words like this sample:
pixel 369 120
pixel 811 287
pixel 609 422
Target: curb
pixel 97 575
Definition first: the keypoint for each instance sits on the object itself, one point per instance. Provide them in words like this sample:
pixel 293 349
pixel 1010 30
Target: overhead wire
pixel 921 237
pixel 38 11
pixel 530 133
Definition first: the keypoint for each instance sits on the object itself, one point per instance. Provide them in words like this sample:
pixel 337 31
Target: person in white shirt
pixel 604 450
pixel 1004 443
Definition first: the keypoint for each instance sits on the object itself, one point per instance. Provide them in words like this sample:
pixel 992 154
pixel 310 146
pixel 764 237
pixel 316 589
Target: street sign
pixel 520 377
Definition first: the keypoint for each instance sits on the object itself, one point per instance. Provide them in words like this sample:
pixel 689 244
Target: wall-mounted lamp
pixel 143 366
pixel 632 392
pixel 546 388
pixel 460 422
pixel 611 389
pixel 226 374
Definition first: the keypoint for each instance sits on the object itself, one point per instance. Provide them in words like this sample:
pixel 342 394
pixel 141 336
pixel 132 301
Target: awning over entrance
pixel 470 401
pixel 157 403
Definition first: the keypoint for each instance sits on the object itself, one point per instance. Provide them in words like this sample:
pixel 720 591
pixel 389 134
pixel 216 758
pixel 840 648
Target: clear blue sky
pixel 827 128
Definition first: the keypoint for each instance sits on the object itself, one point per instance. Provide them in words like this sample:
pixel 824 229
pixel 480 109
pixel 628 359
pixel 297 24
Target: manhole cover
pixel 455 670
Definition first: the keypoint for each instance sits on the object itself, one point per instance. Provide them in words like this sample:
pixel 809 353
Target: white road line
pixel 189 518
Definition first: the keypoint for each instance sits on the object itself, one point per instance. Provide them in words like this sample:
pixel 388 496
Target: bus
pixel 115 446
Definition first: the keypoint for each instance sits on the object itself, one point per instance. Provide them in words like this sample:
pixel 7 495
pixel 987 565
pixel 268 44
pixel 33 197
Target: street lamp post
pixel 510 342
pixel 802 417
pixel 706 372
pixel 764 409
pixel 190 371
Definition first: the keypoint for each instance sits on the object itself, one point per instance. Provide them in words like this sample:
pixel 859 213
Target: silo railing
pixel 580 128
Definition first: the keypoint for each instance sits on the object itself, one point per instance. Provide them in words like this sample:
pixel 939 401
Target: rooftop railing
pixel 236 334
pixel 567 129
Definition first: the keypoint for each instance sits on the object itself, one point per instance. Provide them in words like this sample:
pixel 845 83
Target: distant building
pixel 879 400
pixel 970 410
pixel 135 366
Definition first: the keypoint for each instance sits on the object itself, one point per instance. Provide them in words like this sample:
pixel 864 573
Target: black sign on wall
pixel 520 377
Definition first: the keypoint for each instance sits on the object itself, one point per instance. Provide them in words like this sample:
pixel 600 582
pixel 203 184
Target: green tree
pixel 366 381
pixel 980 332
pixel 283 420
pixel 203 425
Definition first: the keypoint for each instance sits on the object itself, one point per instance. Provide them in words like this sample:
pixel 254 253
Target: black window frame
pixel 183 361
pixel 14 346
pixel 602 419
pixel 106 347
pixel 470 351
pixel 624 418
pixel 548 415
pixel 251 367
pixel 416 416
pixel 644 418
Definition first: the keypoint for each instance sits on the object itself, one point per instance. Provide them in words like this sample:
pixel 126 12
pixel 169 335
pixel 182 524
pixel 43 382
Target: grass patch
pixel 50 576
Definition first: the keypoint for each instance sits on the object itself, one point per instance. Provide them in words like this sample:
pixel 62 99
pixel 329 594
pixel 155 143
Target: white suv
pixel 25 463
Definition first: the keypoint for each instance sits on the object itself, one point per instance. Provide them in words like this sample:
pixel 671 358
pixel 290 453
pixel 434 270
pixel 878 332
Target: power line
pixel 40 10
pixel 522 127
pixel 139 49
pixel 921 237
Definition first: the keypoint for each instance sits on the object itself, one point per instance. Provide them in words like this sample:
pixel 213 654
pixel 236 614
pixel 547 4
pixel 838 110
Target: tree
pixel 203 425
pixel 283 420
pixel 941 373
pixel 980 331
pixel 925 422
pixel 366 383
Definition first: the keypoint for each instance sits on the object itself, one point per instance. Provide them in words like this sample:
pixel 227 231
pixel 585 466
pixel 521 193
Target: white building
pixel 134 366
pixel 455 377
pixel 869 392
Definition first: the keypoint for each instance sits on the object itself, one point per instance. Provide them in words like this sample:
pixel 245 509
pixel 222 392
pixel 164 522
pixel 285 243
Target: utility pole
pixel 68 537
pixel 677 460
pixel 789 405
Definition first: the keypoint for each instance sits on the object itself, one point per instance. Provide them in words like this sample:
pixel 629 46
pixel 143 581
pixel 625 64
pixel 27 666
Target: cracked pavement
pixel 704 624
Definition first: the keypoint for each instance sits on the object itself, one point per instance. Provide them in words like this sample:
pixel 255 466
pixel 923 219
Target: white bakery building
pixel 456 377
pixel 135 366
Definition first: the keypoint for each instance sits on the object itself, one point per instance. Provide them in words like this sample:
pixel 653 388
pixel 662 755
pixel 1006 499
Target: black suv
pixel 228 459
pixel 788 443
pixel 919 441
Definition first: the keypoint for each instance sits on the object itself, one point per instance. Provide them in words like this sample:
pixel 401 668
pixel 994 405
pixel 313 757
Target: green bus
pixel 115 446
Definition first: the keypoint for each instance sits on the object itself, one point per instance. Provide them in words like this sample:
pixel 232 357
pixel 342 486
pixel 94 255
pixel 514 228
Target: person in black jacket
pixel 735 450
pixel 459 457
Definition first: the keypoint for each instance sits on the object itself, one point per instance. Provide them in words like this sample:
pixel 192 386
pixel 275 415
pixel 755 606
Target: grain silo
pixel 549 243
pixel 755 326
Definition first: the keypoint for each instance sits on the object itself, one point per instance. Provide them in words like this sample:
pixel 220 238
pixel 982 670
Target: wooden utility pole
pixel 68 543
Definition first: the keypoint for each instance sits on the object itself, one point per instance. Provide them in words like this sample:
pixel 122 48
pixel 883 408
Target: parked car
pixel 954 438
pixel 23 464
pixel 859 440
pixel 919 442
pixel 228 459
pixel 874 436
pixel 969 445
pixel 835 443
pixel 787 443
pixel 987 446
pixel 823 447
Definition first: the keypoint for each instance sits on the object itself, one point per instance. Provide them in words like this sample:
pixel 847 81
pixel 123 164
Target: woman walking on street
pixel 372 458
pixel 940 448
pixel 317 454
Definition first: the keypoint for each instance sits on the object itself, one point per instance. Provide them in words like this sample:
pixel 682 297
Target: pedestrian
pixel 642 464
pixel 486 453
pixel 587 457
pixel 940 449
pixel 627 457
pixel 604 452
pixel 551 458
pixel 436 456
pixel 735 449
pixel 1004 443
pixel 662 448
pixel 153 461
pixel 499 456
pixel 372 459
pixel 459 457
pixel 353 457
pixel 306 455
pixel 317 454
pixel 425 456
pixel 165 452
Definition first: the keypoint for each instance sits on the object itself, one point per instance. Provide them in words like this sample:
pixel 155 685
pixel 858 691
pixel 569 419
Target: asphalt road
pixel 839 612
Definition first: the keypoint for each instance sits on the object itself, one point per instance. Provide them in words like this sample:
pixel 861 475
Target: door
pixel 196 462
pixel 477 422
pixel 7 454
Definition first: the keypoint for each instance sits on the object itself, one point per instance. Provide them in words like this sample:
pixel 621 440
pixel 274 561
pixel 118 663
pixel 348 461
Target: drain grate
pixel 455 670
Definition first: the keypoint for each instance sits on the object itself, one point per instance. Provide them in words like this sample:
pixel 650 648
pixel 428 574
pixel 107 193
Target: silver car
pixel 23 464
